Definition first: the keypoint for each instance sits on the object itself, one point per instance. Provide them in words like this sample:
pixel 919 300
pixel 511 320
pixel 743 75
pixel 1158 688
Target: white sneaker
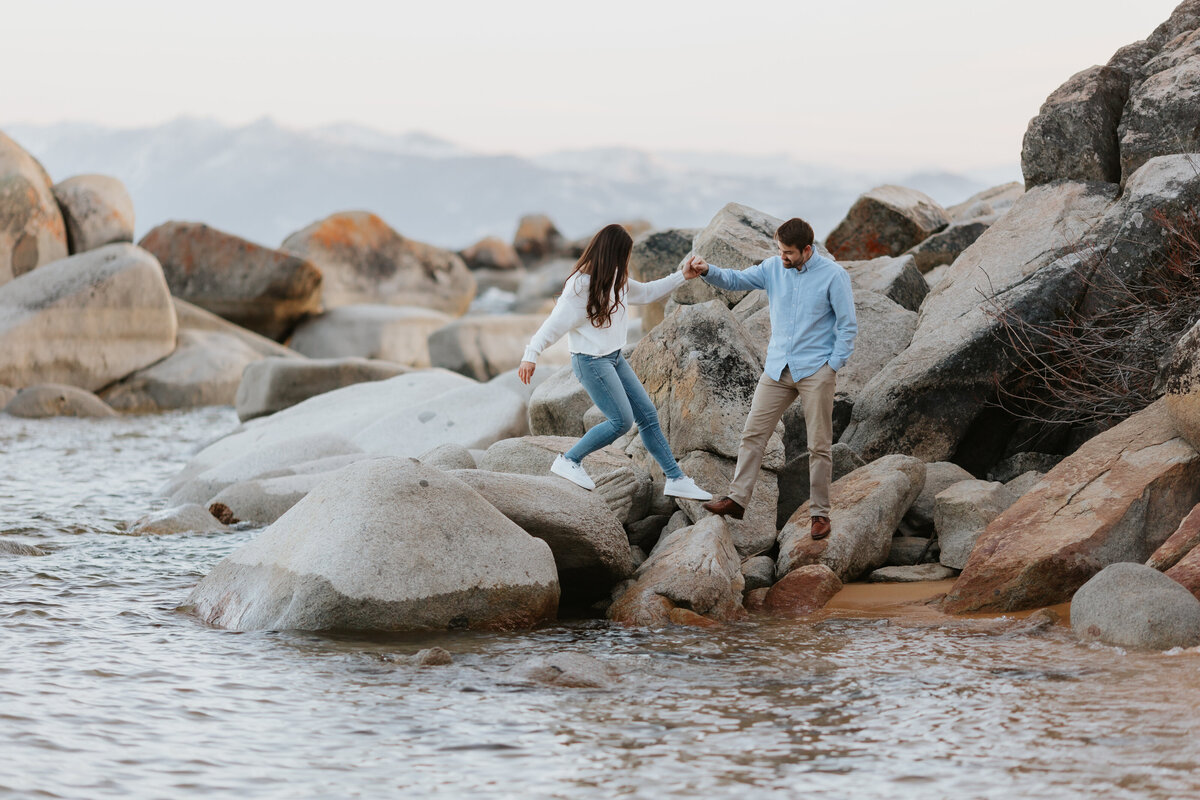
pixel 685 487
pixel 575 473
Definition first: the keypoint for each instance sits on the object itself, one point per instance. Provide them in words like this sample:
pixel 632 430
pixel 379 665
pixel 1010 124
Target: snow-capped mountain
pixel 264 181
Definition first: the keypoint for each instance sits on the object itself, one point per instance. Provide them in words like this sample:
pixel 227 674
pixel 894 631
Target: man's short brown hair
pixel 795 233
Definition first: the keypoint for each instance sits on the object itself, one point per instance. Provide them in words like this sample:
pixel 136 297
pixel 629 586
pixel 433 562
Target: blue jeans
pixel 616 391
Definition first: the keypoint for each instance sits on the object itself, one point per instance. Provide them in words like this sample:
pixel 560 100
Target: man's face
pixel 793 257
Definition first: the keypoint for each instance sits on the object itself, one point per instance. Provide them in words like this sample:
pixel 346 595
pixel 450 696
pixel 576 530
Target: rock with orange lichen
pixel 263 290
pixel 695 570
pixel 1117 498
pixel 365 261
pixel 886 221
pixel 32 231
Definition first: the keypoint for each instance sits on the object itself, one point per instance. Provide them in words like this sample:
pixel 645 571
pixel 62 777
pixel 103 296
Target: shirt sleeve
pixel 569 311
pixel 841 297
pixel 736 280
pixel 642 293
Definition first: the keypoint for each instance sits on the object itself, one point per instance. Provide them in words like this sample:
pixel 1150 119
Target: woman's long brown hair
pixel 606 262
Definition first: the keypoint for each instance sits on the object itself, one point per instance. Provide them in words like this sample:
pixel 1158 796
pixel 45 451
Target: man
pixel 812 335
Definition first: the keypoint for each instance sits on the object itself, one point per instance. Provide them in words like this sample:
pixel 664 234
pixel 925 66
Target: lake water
pixel 107 691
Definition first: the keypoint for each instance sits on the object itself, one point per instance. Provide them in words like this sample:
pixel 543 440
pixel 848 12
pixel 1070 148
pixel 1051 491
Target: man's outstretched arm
pixel 732 279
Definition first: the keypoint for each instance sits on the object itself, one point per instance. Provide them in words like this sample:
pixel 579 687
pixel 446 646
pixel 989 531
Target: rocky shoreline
pixel 400 468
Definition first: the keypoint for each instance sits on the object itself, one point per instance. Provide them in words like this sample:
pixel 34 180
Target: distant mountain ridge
pixel 263 181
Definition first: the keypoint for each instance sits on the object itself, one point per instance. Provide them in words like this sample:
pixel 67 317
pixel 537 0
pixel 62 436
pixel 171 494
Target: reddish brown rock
pixel 802 591
pixel 223 514
pixel 537 238
pixel 886 221
pixel 1187 572
pixel 263 290
pixel 1117 498
pixel 755 599
pixel 683 616
pixel 1179 544
pixel 491 253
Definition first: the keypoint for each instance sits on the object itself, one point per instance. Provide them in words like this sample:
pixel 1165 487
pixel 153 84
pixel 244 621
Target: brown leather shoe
pixel 723 507
pixel 820 527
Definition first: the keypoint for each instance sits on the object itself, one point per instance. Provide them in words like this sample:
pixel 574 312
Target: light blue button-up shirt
pixel 812 312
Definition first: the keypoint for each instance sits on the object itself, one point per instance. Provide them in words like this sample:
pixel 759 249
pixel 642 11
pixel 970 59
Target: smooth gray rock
pixel 87 320
pixel 265 499
pixel 1132 605
pixel 939 476
pixel 482 347
pixel 991 202
pixel 57 400
pixel 571 671
pixel 381 332
pixel 448 456
pixel 1024 482
pixel 912 574
pixel 589 545
pixel 758 572
pixel 181 519
pixel 387 544
pixel 961 512
pixel 896 278
pixel 96 209
pixel 866 507
pixel 273 384
pixel 557 406
pixel 204 370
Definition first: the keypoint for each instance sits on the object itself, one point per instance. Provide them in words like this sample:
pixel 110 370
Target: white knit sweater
pixel 570 317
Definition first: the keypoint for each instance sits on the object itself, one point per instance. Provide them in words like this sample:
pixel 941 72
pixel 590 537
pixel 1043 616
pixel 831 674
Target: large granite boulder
pixel 961 512
pixel 623 485
pixel 947 244
pixel 656 254
pixel 589 545
pixel 1180 377
pixel 96 209
pixel 365 261
pixel 897 278
pixel 939 476
pixel 482 347
pixel 387 333
pixel 865 508
pixel 56 400
pixel 557 406
pixel 266 498
pixel 1034 265
pixel 736 238
pixel 273 384
pixel 1160 117
pixel 388 545
pixel 1073 137
pixel 700 369
pixel 989 203
pixel 204 370
pixel 86 320
pixel 1132 605
pixel 32 232
pixel 402 416
pixel 694 569
pixel 886 221
pixel 802 591
pixel 1117 498
pixel 755 532
pixel 264 290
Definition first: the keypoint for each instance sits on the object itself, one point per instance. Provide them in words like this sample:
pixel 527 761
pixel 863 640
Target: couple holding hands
pixel 812 335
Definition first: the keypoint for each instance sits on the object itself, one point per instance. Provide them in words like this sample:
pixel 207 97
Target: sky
pixel 924 84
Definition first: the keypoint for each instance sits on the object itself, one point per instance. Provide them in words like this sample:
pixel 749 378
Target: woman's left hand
pixel 525 371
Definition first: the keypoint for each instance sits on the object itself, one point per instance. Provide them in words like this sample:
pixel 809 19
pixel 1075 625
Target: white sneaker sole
pixel 701 495
pixel 564 472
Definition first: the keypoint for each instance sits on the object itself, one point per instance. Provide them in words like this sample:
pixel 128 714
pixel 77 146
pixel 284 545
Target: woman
pixel 592 312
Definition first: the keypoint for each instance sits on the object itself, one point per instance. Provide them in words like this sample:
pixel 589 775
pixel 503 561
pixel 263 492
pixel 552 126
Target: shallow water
pixel 107 691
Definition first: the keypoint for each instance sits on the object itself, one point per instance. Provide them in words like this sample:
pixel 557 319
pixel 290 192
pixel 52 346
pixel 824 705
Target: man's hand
pixel 525 371
pixel 695 267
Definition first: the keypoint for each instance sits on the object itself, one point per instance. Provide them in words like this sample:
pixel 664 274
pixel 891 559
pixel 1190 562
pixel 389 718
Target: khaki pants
pixel 771 399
